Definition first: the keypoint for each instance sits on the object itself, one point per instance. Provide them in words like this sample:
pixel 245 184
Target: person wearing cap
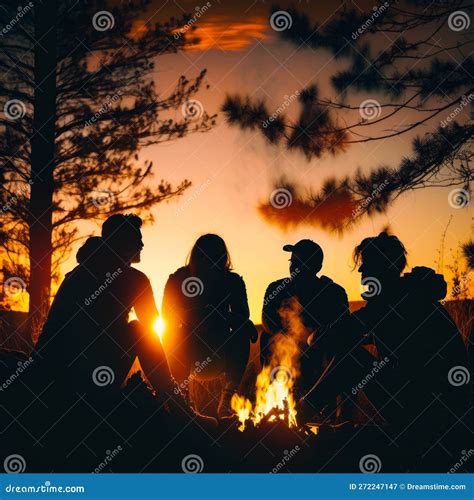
pixel 322 303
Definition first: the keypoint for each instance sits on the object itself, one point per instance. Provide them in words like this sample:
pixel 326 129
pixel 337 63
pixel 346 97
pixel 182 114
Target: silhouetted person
pixel 322 303
pixel 418 347
pixel 206 314
pixel 87 326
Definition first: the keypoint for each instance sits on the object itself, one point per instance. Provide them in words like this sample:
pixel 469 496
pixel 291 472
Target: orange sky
pixel 232 172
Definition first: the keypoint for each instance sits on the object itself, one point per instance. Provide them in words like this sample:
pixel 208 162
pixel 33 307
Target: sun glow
pixel 159 326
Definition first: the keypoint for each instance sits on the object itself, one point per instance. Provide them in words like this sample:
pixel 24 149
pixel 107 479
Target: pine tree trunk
pixel 42 164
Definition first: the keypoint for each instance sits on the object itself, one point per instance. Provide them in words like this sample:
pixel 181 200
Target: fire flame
pixel 274 394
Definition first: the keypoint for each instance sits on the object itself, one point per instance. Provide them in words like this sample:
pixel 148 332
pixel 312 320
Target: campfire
pixel 274 387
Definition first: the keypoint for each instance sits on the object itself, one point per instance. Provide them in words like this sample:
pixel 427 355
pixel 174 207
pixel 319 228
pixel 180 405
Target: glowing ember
pixel 274 397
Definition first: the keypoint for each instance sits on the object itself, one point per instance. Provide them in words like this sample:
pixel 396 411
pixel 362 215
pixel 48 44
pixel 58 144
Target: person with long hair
pixel 206 312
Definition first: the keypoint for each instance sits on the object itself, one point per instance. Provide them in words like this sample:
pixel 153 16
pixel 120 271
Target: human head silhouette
pixel 121 233
pixel 89 249
pixel 306 258
pixel 382 257
pixel 209 254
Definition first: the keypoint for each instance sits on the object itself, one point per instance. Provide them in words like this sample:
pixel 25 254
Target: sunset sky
pixel 232 171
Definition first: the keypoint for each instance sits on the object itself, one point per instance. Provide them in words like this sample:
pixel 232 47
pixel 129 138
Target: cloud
pixel 331 209
pixel 228 33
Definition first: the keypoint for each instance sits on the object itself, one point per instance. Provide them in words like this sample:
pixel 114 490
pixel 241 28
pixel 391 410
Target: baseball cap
pixel 308 252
